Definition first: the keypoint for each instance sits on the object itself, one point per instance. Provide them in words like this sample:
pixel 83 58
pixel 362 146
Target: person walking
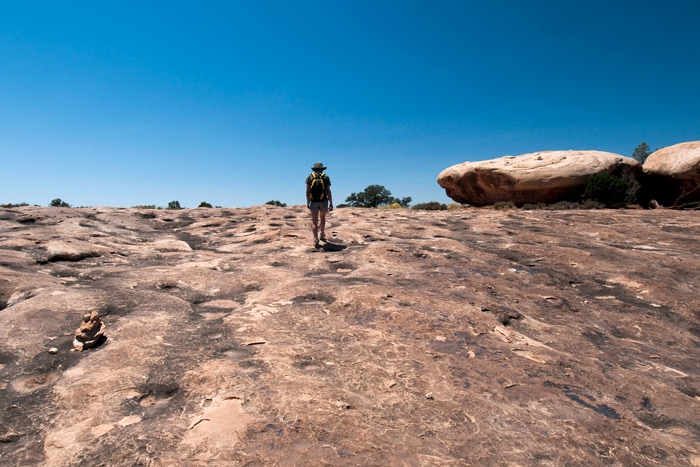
pixel 319 200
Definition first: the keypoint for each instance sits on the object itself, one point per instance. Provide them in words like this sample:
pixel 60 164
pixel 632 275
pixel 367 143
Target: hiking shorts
pixel 319 205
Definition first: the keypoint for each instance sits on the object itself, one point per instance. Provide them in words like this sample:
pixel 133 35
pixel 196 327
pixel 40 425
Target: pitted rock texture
pixel 672 172
pixel 466 337
pixel 540 177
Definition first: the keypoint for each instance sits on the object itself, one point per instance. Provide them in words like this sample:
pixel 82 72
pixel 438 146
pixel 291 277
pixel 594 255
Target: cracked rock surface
pixel 473 336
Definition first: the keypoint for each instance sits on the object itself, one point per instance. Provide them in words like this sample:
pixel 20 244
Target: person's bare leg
pixel 314 224
pixel 323 225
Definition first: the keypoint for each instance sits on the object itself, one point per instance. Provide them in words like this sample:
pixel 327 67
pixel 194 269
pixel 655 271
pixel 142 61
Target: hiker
pixel 318 199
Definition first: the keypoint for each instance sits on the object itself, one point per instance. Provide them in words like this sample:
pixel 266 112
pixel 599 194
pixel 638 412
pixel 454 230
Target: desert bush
pixel 174 205
pixel 590 204
pixel 145 206
pixel 59 203
pixel 391 206
pixel 610 190
pixel 562 205
pixel 532 207
pixel 204 204
pixel 504 205
pixel 11 205
pixel 430 206
pixel 274 202
pixel 452 206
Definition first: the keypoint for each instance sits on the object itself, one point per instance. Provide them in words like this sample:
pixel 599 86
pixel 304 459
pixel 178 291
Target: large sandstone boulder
pixel 539 177
pixel 680 161
pixel 673 172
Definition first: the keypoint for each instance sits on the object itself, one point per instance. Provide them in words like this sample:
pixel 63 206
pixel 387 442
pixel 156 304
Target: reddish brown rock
pixel 90 332
pixel 540 177
pixel 465 337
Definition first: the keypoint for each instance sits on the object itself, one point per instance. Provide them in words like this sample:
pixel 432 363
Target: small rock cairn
pixel 90 333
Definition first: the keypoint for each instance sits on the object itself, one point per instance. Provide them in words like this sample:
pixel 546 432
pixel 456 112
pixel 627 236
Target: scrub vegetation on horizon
pixel 374 196
pixel 59 203
pixel 601 191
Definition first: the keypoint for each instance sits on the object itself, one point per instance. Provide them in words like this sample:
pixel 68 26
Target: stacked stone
pixel 90 332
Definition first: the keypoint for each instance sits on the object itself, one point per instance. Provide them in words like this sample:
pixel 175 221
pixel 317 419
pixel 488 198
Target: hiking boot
pixel 323 236
pixel 316 243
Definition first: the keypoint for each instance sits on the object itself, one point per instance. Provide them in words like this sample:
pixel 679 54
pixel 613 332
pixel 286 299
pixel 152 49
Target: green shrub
pixel 145 206
pixel 174 205
pixel 204 204
pixel 11 205
pixel 452 206
pixel 391 206
pixel 430 206
pixel 274 202
pixel 59 203
pixel 504 205
pixel 610 190
pixel 590 204
pixel 562 205
pixel 532 207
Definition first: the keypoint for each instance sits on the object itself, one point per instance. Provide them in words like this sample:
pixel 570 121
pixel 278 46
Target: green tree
pixel 203 204
pixel 174 205
pixel 374 196
pixel 641 153
pixel 274 202
pixel 59 203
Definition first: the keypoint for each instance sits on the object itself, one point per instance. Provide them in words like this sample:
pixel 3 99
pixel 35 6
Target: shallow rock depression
pixel 466 337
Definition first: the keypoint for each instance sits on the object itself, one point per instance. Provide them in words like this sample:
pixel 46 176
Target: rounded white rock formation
pixel 681 161
pixel 539 177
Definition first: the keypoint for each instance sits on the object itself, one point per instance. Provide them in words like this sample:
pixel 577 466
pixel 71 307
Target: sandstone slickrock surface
pixel 674 170
pixel 539 177
pixel 474 337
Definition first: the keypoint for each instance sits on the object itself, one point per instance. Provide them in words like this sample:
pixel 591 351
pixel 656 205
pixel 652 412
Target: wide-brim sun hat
pixel 318 166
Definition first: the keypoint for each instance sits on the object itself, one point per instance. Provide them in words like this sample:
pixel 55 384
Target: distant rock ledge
pixel 670 175
pixel 539 177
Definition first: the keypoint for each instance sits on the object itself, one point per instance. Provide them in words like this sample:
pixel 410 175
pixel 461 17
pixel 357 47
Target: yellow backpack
pixel 317 190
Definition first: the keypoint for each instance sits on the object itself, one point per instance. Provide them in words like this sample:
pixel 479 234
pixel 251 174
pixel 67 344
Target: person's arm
pixel 308 199
pixel 330 199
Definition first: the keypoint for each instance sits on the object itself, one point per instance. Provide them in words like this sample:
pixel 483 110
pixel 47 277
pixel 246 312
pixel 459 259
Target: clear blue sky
pixel 125 103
